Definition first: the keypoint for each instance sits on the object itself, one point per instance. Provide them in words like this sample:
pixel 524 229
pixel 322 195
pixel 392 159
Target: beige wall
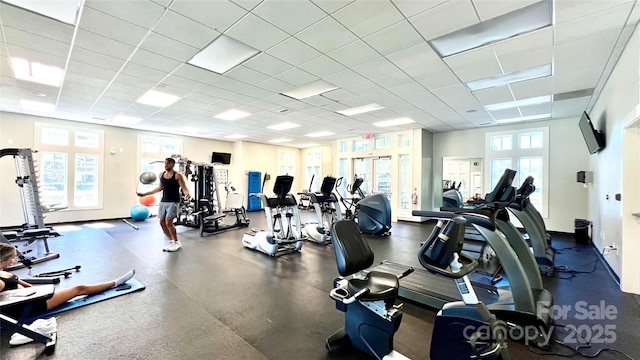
pixel 567 153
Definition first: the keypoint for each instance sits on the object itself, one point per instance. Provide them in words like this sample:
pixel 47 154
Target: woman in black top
pixel 9 281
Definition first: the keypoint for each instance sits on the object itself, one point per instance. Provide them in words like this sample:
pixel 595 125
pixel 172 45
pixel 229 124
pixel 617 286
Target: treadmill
pixel 526 305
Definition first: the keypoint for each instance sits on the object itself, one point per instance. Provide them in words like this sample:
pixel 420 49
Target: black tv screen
pixel 593 138
pixel 221 158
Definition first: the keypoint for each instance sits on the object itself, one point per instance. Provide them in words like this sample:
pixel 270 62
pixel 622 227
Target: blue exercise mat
pixel 92 299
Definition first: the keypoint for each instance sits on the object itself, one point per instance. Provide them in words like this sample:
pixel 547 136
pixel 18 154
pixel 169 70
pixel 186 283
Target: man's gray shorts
pixel 168 209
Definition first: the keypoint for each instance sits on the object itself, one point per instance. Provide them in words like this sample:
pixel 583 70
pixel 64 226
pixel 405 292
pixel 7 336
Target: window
pixel 71 161
pixel 152 151
pixel 313 170
pixel 529 156
pixel 404 140
pixel 286 162
pixel 404 186
pixel 360 145
pixel 382 143
pixel 342 173
pixel 502 142
pixel 531 141
pixel 342 146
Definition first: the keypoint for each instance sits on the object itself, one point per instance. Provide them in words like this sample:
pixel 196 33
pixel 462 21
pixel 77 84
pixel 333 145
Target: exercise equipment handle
pixel 406 272
pixel 355 297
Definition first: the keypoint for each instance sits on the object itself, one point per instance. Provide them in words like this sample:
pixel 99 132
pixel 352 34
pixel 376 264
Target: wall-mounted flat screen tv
pixel 593 138
pixel 221 158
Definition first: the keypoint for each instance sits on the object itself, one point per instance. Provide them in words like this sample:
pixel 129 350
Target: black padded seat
pixel 382 286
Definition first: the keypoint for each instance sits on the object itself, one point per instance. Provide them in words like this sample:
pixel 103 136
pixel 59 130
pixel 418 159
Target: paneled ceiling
pixel 374 51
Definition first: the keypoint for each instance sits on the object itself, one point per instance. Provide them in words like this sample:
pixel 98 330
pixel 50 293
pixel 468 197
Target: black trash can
pixel 582 231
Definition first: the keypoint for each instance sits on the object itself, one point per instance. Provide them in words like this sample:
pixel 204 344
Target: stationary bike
pixel 462 330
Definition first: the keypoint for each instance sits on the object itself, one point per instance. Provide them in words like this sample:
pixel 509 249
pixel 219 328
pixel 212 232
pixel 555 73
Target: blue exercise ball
pixel 139 212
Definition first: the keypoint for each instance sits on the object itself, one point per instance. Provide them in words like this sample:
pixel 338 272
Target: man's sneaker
pixel 170 246
pixel 42 326
pixel 176 245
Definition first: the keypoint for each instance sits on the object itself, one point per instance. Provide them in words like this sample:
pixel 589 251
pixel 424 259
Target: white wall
pixel 567 153
pixel 615 108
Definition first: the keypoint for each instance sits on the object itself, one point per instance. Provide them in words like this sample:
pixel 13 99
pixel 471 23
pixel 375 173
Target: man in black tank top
pixel 171 182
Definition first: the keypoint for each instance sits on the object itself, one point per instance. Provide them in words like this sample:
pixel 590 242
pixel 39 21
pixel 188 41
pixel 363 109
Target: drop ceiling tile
pixel 218 15
pixel 165 46
pixel 257 92
pixel 33 55
pixel 526 60
pixel 353 54
pixel 364 88
pixel 84 79
pixel 595 61
pixel 331 6
pixel 124 92
pixel 326 35
pixel 505 114
pixel 580 79
pixel 494 95
pixel 113 103
pixel 392 80
pixel 256 32
pixel 297 77
pixel 322 66
pixel 275 85
pixel 345 78
pixel 610 19
pixel 394 38
pixel 488 9
pixel 96 59
pixel 246 75
pixel 366 17
pixel 134 81
pixel 457 97
pixel 17 18
pixel 569 108
pixel 318 101
pixel 413 7
pixel 293 51
pixel 247 4
pixel 533 88
pixel 196 74
pixel 31 41
pixel 338 95
pixel 418 55
pixel 183 83
pixel 242 99
pixel 281 100
pixel 597 43
pixel 459 14
pixel 212 91
pixel 572 10
pixel 141 13
pixel 536 109
pixel 267 64
pixel 229 84
pixel 444 79
pixel 103 45
pixel 103 24
pixel 143 72
pixel 290 16
pixel 535 40
pixel 185 30
pixel 376 68
pixel 155 61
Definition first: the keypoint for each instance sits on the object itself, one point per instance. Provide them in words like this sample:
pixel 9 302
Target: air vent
pixel 282 111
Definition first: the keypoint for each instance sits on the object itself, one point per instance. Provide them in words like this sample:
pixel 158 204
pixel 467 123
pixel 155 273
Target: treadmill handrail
pixel 480 219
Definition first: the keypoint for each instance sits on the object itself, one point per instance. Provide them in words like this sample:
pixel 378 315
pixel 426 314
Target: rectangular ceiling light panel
pixel 37 106
pixel 518 103
pixel 533 17
pixel 393 122
pixel 283 126
pixel 35 72
pixel 223 54
pixel 524 118
pixel 320 134
pixel 280 140
pixel 360 109
pixel 65 11
pixel 231 115
pixel 311 89
pixel 157 99
pixel 510 78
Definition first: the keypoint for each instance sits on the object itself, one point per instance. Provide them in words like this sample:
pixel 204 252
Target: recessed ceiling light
pixel 311 89
pixel 320 134
pixel 283 126
pixel 280 140
pixel 517 103
pixel 394 122
pixel 235 136
pixel 126 120
pixel 223 54
pixel 35 72
pixel 232 115
pixel 533 17
pixel 38 94
pixel 157 98
pixel 61 10
pixel 37 106
pixel 524 118
pixel 360 109
pixel 512 77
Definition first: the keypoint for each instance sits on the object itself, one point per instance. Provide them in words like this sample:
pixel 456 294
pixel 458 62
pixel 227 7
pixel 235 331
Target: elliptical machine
pixel 283 225
pixel 327 209
pixel 462 330
pixel 372 212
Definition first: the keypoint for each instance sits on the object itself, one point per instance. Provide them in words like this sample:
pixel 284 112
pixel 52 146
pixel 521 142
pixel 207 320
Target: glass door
pixel 362 169
pixel 382 176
